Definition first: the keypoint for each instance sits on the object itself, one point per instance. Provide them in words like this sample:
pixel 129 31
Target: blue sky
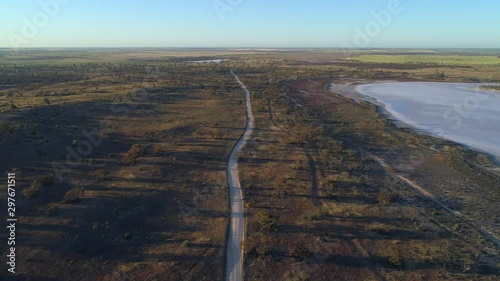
pixel 250 23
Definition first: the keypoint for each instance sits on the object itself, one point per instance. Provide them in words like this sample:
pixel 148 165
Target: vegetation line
pixel 425 194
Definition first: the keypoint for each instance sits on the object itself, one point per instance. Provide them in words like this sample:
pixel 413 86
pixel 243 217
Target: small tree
pixel 264 221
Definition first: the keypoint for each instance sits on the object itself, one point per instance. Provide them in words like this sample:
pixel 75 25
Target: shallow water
pixel 208 61
pixel 458 112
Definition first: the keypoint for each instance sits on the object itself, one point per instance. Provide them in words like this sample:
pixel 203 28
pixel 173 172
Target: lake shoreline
pixel 350 91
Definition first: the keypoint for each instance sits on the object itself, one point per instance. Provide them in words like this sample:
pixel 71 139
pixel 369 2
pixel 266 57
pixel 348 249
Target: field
pixel 430 59
pixel 121 157
pixel 98 55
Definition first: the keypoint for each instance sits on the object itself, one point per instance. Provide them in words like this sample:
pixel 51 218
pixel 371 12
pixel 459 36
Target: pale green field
pixel 76 56
pixel 433 59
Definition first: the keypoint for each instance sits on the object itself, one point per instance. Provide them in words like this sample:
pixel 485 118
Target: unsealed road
pixel 234 255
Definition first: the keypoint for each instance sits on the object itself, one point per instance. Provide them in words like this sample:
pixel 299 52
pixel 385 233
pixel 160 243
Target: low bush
pixel 395 258
pixel 101 174
pixel 378 227
pixel 33 190
pixel 159 149
pixel 386 197
pixel 264 221
pixel 410 213
pixel 6 128
pixel 74 195
pixel 315 214
pixel 134 152
pixel 51 210
pixel 48 179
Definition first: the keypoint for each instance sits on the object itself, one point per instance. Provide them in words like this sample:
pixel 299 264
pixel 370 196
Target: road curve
pixel 234 255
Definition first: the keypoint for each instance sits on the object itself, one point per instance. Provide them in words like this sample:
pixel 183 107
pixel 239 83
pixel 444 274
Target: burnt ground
pixel 162 216
pixel 321 208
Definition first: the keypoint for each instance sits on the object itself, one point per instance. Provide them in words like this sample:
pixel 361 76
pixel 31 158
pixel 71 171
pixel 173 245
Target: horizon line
pixel 256 48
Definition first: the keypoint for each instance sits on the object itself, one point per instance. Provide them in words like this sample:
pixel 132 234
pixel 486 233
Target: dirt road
pixel 234 255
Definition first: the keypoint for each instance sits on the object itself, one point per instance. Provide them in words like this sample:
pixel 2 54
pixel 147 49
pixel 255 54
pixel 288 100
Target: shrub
pixel 315 214
pixel 51 210
pixel 6 128
pixel 158 149
pixel 395 258
pixel 73 195
pixel 301 252
pixel 101 174
pixel 356 191
pixel 258 245
pixel 185 244
pixel 279 193
pixel 410 213
pixel 378 227
pixel 134 152
pixel 48 179
pixel 457 227
pixel 33 190
pixel 263 245
pixel 386 197
pixel 264 221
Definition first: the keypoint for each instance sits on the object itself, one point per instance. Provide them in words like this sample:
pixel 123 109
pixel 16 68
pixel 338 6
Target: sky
pixel 251 23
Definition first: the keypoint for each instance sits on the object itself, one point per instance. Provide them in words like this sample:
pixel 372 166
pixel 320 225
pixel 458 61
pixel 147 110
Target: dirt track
pixel 234 257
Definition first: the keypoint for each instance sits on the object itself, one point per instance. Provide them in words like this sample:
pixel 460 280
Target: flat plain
pixel 121 161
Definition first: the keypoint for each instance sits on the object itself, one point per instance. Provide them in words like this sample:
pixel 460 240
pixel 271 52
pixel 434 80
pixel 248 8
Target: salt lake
pixel 460 112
